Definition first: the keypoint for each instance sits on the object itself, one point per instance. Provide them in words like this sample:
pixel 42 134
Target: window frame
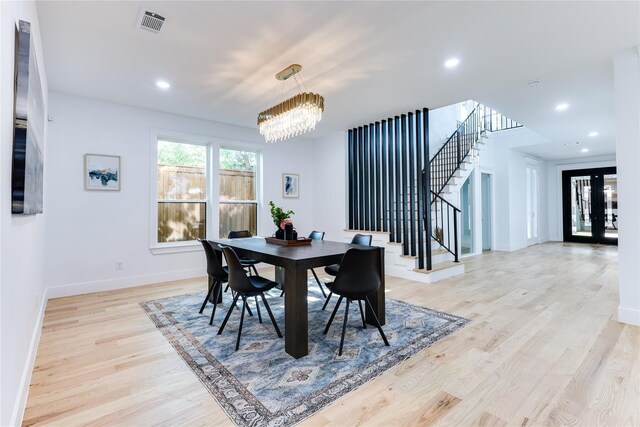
pixel 256 182
pixel 212 171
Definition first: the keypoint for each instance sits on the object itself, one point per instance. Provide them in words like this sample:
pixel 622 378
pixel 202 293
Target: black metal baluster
pixel 372 183
pixel 398 178
pixel 427 186
pixel 361 179
pixel 378 176
pixel 367 179
pixel 383 152
pixel 392 180
pixel 405 184
pixel 351 171
pixel 420 190
pixel 412 186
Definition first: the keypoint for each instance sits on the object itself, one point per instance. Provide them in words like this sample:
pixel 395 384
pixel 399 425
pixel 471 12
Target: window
pixel 238 201
pixel 182 192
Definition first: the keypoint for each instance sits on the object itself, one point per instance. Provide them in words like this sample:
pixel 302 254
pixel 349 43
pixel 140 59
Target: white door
pixel 532 205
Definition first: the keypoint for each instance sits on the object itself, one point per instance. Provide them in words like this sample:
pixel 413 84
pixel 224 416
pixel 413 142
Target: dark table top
pixel 317 254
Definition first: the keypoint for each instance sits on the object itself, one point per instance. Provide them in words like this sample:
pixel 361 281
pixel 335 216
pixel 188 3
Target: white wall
pixel 87 231
pixel 627 107
pixel 330 175
pixel 21 249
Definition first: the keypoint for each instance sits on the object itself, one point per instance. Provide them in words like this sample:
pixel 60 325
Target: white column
pixel 627 110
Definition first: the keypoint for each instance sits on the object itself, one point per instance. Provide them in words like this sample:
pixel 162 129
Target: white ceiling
pixel 369 60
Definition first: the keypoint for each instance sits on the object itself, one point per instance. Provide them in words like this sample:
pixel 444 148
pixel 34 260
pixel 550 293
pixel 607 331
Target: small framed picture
pixel 290 185
pixel 101 172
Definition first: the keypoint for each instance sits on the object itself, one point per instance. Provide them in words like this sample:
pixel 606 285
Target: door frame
pixel 597 186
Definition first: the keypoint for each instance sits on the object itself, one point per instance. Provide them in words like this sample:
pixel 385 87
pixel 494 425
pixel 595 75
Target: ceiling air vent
pixel 151 21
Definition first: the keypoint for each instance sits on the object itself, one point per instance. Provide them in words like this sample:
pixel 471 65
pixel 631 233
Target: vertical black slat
pixel 448 227
pixel 372 178
pixel 367 178
pixel 427 186
pixel 356 180
pixel 420 190
pixel 392 179
pixel 351 171
pixel 398 178
pixel 360 179
pixel 455 235
pixel 412 184
pixel 383 153
pixel 442 219
pixel 405 187
pixel 378 176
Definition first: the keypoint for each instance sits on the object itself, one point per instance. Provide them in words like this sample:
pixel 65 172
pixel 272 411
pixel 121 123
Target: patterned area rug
pixel 262 385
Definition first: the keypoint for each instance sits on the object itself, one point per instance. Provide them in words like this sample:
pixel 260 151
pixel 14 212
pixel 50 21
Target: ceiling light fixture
pixel 562 107
pixel 451 63
pixel 584 150
pixel 592 134
pixel 294 116
pixel 163 84
pixel 535 83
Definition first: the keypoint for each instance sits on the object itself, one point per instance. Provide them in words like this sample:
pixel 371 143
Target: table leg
pixel 377 298
pixel 280 277
pixel 296 317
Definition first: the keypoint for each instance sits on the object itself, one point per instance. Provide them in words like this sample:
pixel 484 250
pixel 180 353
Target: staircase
pixel 407 199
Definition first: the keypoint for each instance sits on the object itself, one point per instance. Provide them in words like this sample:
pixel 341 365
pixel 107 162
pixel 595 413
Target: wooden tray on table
pixel 300 242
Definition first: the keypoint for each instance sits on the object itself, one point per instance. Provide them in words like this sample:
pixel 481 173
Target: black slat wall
pixel 386 161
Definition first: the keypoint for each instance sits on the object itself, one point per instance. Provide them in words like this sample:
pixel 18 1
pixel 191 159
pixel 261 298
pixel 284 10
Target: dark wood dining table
pixel 296 261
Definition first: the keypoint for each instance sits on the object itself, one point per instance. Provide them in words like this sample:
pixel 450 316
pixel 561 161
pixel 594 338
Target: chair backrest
pixel 316 235
pixel 359 272
pixel 238 234
pixel 362 239
pixel 214 259
pixel 238 280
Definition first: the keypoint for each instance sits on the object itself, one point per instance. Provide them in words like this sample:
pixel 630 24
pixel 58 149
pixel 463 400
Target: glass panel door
pixel 581 206
pixel 590 205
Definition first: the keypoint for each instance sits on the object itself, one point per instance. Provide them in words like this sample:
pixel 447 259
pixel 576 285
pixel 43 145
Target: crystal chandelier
pixel 296 115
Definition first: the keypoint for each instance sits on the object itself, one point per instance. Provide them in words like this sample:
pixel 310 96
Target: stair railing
pixel 444 224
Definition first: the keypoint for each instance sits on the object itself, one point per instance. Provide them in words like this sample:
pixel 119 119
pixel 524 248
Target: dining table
pixel 295 262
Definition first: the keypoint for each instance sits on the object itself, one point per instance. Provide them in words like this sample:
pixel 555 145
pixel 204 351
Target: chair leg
pixel 344 325
pixel 327 300
pixel 206 298
pixel 244 305
pixel 255 297
pixel 384 337
pixel 227 288
pixel 224 322
pixel 335 309
pixel 255 272
pixel 273 320
pixel 215 303
pixel 318 282
pixel 282 293
pixel 364 324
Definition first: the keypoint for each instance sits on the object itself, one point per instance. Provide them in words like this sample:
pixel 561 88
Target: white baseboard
pixel 25 380
pixel 123 282
pixel 629 315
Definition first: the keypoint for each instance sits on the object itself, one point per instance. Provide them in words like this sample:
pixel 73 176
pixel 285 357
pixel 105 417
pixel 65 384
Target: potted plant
pixel 280 219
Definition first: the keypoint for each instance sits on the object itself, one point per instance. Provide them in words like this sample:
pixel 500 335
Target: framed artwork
pixel 28 127
pixel 290 185
pixel 101 172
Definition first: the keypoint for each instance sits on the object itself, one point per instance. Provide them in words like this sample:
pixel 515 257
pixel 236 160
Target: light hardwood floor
pixel 543 348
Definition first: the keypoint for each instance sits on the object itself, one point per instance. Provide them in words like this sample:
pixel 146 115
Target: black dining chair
pixel 315 235
pixel 247 263
pixel 216 273
pixel 359 276
pixel 332 270
pixel 246 286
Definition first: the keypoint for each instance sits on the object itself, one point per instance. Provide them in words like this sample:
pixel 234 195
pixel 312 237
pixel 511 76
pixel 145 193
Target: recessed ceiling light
pixel 451 63
pixel 535 83
pixel 163 84
pixel 592 134
pixel 584 150
pixel 562 107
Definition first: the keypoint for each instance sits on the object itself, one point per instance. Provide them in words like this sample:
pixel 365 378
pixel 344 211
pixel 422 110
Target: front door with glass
pixel 590 205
